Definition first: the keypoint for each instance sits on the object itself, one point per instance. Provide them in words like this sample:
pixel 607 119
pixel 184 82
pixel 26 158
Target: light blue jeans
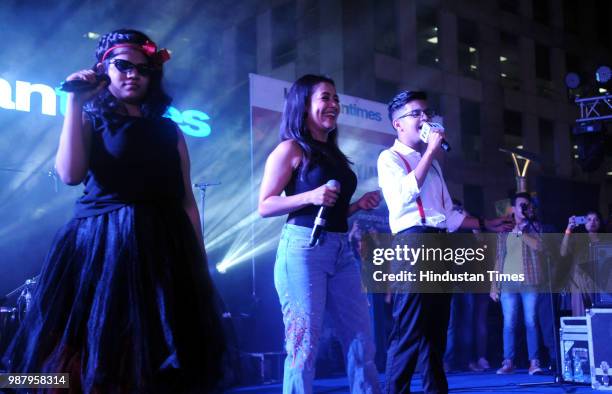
pixel 509 303
pixel 309 282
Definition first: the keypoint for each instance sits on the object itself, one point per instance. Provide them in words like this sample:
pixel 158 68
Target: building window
pixel 547 145
pixel 513 129
pixel 385 90
pixel 509 60
pixel 284 34
pixel 542 62
pixel 470 129
pixel 601 10
pixel 541 11
pixel 434 101
pixel 468 48
pixel 573 63
pixel 571 15
pixel 385 27
pixel 511 6
pixel 428 45
pixel 544 84
pixel 513 123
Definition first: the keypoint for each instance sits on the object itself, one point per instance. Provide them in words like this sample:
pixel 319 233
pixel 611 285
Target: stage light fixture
pixel 603 74
pixel 572 80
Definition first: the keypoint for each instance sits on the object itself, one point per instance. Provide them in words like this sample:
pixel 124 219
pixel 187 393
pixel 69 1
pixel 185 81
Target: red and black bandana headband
pixel 149 48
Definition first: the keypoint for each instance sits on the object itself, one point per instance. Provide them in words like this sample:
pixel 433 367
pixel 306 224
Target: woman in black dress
pixel 125 300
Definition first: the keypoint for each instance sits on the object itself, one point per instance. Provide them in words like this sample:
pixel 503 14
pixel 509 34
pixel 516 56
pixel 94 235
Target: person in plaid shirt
pixel 519 252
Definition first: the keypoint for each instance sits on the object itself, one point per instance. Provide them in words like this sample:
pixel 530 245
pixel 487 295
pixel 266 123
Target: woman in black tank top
pixel 313 275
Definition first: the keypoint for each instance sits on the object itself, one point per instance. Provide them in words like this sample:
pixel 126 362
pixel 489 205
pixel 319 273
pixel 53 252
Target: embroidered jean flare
pixel 311 281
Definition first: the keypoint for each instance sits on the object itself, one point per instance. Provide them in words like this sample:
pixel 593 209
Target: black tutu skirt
pixel 124 304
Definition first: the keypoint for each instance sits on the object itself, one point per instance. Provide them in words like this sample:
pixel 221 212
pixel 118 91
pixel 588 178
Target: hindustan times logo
pixel 191 122
pixel 354 110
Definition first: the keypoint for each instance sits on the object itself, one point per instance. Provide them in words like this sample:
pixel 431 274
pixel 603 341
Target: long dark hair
pixel 156 101
pixel 293 124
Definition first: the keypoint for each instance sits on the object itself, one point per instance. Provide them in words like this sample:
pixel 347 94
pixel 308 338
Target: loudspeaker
pixel 601 258
pixel 599 330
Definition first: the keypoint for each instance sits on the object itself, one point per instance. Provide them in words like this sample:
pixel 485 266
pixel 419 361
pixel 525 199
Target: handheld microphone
pixel 426 130
pixel 319 224
pixel 81 85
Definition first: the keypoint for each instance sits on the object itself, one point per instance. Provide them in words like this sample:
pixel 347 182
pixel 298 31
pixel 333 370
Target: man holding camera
pixel 519 252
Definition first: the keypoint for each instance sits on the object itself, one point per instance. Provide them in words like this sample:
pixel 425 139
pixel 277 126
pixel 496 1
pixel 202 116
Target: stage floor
pixel 459 382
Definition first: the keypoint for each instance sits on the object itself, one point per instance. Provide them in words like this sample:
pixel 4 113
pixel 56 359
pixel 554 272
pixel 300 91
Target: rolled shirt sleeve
pixel 400 190
pixel 398 185
pixel 453 218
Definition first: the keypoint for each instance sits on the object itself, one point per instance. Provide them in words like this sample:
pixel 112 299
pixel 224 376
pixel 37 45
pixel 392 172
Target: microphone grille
pixel 333 183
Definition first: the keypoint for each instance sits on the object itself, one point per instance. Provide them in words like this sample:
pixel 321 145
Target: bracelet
pixel 481 224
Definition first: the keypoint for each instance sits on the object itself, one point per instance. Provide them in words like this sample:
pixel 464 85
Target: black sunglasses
pixel 124 66
pixel 417 113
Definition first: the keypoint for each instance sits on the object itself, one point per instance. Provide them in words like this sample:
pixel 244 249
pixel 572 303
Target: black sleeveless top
pixel 319 173
pixel 131 160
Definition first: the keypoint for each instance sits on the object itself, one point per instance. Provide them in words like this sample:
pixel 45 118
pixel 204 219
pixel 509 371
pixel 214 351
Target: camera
pixel 580 220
